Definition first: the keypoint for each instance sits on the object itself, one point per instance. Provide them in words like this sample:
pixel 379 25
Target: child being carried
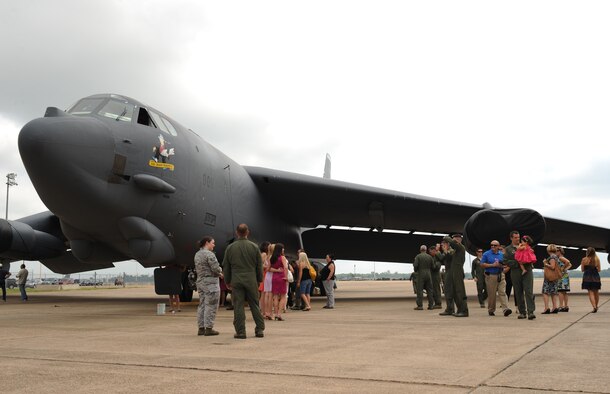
pixel 525 254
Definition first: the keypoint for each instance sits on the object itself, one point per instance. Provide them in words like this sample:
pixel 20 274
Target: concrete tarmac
pixel 112 340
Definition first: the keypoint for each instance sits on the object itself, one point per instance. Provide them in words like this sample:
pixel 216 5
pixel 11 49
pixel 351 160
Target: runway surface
pixel 111 340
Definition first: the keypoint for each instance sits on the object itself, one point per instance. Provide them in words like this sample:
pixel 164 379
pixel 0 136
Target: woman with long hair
pixel 590 267
pixel 279 287
pixel 265 288
pixel 304 283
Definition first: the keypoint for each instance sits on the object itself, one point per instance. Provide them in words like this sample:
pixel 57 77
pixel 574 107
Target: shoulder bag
pixel 552 274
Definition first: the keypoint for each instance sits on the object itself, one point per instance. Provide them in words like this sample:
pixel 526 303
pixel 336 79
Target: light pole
pixel 10 181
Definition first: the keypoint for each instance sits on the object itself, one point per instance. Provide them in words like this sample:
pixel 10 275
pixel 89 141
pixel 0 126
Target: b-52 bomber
pixel 124 181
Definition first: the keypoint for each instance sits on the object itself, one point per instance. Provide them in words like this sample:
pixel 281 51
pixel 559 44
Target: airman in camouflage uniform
pixel 208 287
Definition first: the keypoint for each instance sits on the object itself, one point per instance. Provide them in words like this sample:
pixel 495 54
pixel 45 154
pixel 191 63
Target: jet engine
pixel 27 239
pixel 496 224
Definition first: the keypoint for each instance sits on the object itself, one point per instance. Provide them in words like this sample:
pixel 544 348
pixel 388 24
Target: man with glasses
pixel 478 275
pixel 494 279
pixel 523 284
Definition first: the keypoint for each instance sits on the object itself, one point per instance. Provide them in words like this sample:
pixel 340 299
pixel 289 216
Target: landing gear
pixel 186 295
pixel 172 281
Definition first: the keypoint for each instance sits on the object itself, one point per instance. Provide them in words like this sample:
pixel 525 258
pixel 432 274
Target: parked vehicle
pixel 29 284
pixel 90 282
pixel 11 283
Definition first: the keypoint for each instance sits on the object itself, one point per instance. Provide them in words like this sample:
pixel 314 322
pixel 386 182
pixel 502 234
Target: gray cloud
pixel 87 48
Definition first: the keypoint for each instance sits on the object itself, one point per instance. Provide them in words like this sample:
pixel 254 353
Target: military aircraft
pixel 124 181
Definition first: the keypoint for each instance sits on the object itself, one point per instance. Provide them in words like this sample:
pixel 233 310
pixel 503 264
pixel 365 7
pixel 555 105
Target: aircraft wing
pixel 309 202
pixel 562 232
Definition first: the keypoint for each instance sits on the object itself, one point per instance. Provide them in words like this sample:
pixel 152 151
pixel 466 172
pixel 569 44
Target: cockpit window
pixel 117 110
pixel 158 122
pixel 85 106
pixel 151 118
pixel 170 127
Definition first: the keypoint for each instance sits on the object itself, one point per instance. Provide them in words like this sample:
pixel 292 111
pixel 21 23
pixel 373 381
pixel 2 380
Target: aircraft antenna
pixel 327 167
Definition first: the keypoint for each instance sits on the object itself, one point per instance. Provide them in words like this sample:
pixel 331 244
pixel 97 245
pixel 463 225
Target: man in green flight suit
pixel 523 284
pixel 422 265
pixel 243 271
pixel 434 251
pixel 444 256
pixel 455 277
pixel 478 275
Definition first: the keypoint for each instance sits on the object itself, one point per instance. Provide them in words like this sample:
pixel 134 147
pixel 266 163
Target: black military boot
pixel 210 331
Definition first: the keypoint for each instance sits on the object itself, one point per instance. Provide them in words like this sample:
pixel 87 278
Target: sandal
pixel 279 318
pixel 267 317
pixel 307 309
pixel 546 312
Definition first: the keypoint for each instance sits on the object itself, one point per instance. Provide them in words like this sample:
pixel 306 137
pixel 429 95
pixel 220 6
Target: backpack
pixel 312 273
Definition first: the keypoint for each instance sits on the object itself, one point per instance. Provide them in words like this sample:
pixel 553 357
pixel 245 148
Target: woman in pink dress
pixel 279 287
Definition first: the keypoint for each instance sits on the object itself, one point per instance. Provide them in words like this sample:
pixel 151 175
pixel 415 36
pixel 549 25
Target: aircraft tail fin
pixel 327 167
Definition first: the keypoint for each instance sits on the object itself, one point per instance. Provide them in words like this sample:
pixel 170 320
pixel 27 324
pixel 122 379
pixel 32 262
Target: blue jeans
pixel 24 296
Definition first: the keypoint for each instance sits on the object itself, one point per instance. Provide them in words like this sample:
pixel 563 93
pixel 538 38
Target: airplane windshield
pixel 118 110
pixel 85 106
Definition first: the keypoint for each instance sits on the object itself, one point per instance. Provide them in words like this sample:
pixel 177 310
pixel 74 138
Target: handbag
pixel 552 274
pixel 290 277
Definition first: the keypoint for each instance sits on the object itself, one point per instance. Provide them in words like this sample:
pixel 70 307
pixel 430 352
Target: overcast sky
pixel 473 101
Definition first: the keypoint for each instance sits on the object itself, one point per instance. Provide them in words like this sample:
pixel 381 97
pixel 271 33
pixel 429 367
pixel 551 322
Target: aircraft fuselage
pixel 127 182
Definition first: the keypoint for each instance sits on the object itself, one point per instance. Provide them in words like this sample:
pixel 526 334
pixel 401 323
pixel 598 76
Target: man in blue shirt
pixel 494 279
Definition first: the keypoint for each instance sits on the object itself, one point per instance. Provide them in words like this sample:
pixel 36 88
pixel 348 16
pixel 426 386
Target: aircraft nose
pixel 60 152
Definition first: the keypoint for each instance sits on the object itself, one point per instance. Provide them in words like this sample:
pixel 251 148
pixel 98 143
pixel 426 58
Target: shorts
pixel 306 286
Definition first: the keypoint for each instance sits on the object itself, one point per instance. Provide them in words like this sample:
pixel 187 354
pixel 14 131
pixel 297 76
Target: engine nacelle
pixel 19 241
pixel 496 224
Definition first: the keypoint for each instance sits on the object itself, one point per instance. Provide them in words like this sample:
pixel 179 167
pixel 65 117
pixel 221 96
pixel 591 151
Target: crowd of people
pixel 496 271
pixel 260 276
